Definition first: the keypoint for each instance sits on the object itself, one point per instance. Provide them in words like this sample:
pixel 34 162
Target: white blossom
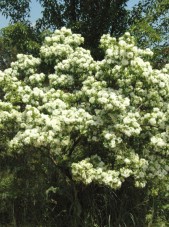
pixel 118 104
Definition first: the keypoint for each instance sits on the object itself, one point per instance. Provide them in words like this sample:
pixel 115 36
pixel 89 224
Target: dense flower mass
pixel 108 119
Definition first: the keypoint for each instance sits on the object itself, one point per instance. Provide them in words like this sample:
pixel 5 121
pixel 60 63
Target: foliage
pixel 149 23
pixel 78 127
pixel 17 10
pixel 17 38
pixel 91 18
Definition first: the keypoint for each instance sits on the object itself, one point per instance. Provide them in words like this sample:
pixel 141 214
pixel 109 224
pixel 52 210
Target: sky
pixel 35 13
pixel 36 9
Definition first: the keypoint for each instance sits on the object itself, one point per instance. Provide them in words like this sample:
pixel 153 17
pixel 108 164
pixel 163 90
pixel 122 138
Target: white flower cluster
pixel 107 98
pixel 37 78
pixel 138 166
pixel 8 114
pixel 86 111
pixel 25 65
pixel 122 51
pixel 60 45
pixel 87 172
pixel 94 170
pixel 130 124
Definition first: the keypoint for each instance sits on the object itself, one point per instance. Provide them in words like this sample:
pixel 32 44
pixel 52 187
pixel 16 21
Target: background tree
pixel 89 18
pixel 148 22
pixel 17 10
pixel 18 38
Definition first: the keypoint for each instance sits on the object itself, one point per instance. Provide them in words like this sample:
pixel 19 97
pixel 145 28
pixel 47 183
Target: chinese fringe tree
pixel 98 122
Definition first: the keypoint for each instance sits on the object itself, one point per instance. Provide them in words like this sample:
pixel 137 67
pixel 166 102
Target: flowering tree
pixel 104 121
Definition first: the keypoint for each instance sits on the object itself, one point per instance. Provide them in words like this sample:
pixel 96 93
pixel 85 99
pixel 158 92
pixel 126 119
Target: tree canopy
pixel 75 121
